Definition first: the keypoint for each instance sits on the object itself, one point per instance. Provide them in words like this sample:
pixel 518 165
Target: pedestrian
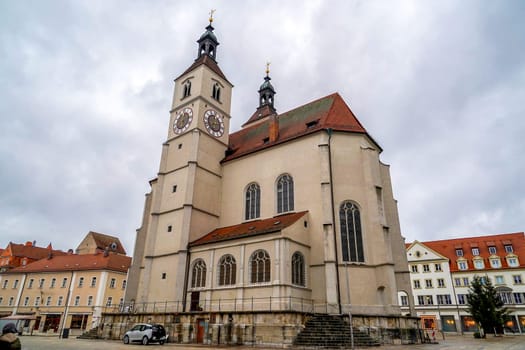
pixel 9 338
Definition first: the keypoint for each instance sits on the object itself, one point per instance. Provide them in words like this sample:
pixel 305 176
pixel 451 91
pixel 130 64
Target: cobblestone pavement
pixel 450 343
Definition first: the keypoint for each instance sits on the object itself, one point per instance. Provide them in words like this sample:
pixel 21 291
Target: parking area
pixel 450 343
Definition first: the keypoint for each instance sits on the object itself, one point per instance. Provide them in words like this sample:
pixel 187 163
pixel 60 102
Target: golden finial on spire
pixel 212 11
pixel 267 68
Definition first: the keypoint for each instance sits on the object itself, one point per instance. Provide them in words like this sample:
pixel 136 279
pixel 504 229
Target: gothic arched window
pixel 260 267
pixel 216 92
pixel 351 234
pixel 187 89
pixel 198 276
pixel 298 269
pixel 227 270
pixel 284 194
pixel 253 202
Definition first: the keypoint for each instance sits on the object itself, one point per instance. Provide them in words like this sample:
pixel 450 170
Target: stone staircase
pixel 91 334
pixel 331 332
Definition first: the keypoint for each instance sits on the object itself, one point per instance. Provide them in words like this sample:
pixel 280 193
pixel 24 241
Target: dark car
pixel 146 333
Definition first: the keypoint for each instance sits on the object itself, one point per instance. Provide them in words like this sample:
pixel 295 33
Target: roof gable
pixel 329 112
pixel 418 251
pixel 208 62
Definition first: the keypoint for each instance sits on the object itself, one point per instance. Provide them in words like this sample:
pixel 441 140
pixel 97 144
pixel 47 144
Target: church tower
pixel 185 198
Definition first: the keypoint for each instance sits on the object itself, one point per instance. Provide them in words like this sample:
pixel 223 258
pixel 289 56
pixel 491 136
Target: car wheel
pixel 161 342
pixel 126 339
pixel 145 340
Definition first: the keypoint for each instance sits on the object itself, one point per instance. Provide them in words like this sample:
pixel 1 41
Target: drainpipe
pixel 329 132
pixel 66 309
pixel 186 272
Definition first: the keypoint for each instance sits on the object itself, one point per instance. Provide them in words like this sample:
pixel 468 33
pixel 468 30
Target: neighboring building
pixel 293 213
pixel 95 242
pixel 15 255
pixel 65 290
pixel 441 272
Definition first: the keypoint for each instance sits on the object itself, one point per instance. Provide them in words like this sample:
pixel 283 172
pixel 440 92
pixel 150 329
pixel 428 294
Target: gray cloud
pixel 87 87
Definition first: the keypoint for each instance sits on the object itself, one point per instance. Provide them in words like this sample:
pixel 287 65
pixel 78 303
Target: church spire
pixel 208 41
pixel 266 91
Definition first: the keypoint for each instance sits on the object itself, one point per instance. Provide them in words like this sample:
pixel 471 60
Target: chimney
pixel 273 128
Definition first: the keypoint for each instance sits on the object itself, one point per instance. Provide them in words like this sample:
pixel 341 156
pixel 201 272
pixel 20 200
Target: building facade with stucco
pixel 293 214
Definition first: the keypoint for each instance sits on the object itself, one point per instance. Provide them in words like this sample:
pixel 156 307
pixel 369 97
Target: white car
pixel 145 333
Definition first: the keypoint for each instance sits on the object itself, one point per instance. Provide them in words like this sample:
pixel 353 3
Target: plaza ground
pixel 510 342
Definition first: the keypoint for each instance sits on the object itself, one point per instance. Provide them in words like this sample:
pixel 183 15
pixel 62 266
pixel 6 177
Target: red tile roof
pixel 327 112
pixel 74 262
pixel 29 251
pixel 448 248
pixel 104 241
pixel 249 229
pixel 208 62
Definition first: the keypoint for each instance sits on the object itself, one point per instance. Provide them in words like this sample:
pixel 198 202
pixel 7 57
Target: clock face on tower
pixel 214 123
pixel 183 120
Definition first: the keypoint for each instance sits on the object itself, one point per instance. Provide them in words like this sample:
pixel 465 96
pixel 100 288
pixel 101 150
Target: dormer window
pixel 495 262
pixel 186 89
pixel 512 260
pixel 216 92
pixel 459 252
pixel 475 251
pixel 508 248
pixel 462 264
pixel 492 250
pixel 479 263
pixel 312 124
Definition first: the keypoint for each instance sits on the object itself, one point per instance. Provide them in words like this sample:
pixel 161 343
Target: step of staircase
pixel 331 332
pixel 91 334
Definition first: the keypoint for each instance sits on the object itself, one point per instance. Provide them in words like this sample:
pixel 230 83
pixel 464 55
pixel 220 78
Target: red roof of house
pixel 327 112
pixel 448 248
pixel 104 241
pixel 249 229
pixel 29 251
pixel 74 262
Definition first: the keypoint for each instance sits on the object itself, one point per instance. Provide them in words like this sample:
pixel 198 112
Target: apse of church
pixel 293 212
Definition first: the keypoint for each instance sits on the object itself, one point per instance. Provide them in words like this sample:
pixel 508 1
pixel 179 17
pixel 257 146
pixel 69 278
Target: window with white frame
pixel 426 268
pixel 512 261
pixel 499 279
pixel 26 301
pixel 37 301
pixel 462 265
pixel 475 251
pixel 462 299
pixel 509 249
pixel 492 250
pixel 90 300
pixel 414 268
pixel 93 281
pixel 41 283
pixel 441 283
pixel 444 299
pixel 417 284
pixel 112 283
pixel 428 283
pixel 64 282
pixel 11 301
pixel 437 267
pixel 466 281
pixel 77 300
pixel 518 298
pixel 459 252
pixel 15 284
pixel 4 285
pixel 60 300
pixel 53 282
pixel 457 282
pixel 479 264
pixel 81 282
pixel 495 263
pixel 124 284
pixel 30 284
pixel 109 301
pixel 48 301
pixel 516 279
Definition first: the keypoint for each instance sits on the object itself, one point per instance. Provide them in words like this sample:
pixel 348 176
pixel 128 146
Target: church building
pixel 290 216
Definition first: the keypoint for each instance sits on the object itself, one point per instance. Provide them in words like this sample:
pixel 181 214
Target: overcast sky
pixel 86 87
